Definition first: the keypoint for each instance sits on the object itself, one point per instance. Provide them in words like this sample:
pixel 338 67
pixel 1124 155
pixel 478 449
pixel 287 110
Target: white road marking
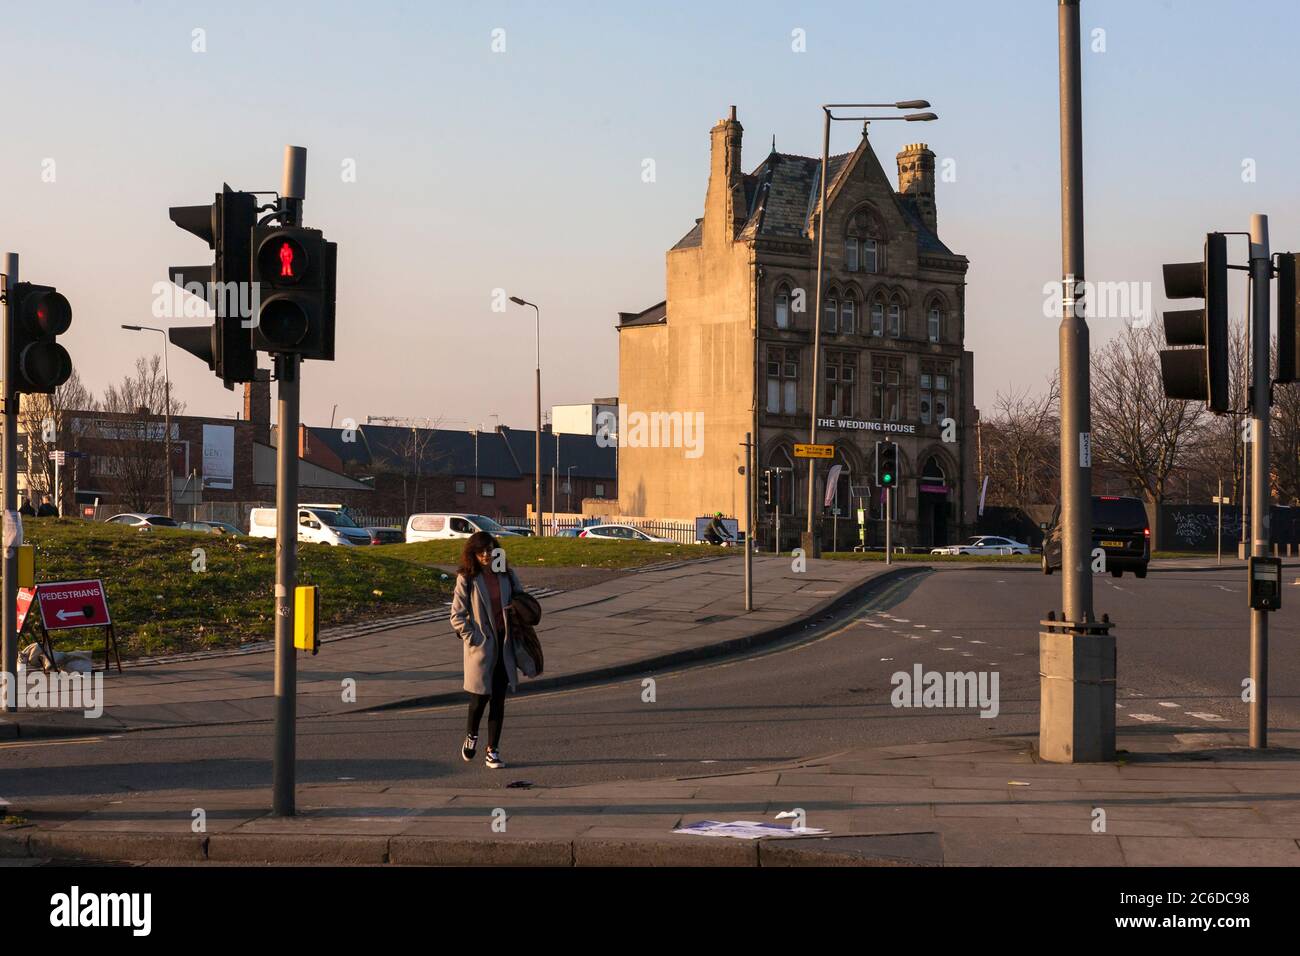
pixel 1148 718
pixel 886 658
pixel 1165 703
pixel 921 626
pixel 947 648
pixel 1192 713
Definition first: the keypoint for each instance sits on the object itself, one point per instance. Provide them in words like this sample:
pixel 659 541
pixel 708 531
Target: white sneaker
pixel 493 759
pixel 468 748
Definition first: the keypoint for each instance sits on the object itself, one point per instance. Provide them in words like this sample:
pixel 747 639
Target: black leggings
pixel 497 712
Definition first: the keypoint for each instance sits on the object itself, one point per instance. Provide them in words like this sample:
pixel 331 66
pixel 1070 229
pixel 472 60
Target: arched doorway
pixel 933 495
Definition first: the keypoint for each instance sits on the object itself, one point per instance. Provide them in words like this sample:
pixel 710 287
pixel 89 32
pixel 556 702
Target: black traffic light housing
pixel 39 314
pixel 295 272
pixel 886 464
pixel 1288 318
pixel 1201 373
pixel 227 227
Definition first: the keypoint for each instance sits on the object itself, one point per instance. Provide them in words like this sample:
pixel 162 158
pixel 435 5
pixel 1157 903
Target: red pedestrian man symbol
pixel 286 260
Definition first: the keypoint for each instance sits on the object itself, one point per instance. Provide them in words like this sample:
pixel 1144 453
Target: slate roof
pixel 506 454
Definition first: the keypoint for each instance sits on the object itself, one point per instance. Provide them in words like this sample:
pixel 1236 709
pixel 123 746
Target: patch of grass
pixel 562 552
pixel 161 604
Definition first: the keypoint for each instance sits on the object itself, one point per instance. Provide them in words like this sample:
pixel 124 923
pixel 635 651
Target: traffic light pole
pixel 9 463
pixel 751 485
pixel 889 523
pixel 1261 275
pixel 286 521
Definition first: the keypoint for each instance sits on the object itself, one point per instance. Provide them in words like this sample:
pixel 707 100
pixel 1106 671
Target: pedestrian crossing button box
pixel 1265 584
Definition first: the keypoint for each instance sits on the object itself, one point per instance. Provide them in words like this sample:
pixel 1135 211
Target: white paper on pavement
pixel 745 829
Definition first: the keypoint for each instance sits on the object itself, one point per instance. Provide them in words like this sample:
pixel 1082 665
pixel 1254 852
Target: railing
pixel 680 532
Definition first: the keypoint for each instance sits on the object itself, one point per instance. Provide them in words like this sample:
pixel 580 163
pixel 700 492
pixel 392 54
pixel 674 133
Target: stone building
pixel 730 349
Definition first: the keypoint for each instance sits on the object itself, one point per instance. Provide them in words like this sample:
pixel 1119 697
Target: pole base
pixel 1076 675
pixel 811 544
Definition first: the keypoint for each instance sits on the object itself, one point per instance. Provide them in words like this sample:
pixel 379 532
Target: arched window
pixel 848 314
pixel 864 243
pixel 830 312
pixel 783 307
pixel 878 317
pixel 934 322
pixel 872 255
pixel 897 320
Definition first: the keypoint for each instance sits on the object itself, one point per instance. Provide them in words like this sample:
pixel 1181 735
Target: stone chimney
pixel 916 179
pixel 257 405
pixel 724 204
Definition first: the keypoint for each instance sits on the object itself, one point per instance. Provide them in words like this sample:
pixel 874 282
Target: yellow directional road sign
pixel 814 451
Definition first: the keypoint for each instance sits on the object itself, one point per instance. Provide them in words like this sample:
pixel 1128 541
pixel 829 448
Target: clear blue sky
pixel 521 170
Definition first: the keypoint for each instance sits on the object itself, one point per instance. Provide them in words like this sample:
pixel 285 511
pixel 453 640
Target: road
pixel 1183 653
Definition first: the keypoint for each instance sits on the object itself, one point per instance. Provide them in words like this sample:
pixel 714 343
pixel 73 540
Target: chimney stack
pixel 724 205
pixel 916 179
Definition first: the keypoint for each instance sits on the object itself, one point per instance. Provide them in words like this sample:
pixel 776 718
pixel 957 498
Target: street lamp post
pixel 568 483
pixel 811 545
pixel 537 444
pixel 167 412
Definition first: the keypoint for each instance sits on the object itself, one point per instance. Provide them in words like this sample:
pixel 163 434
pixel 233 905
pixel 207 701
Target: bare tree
pixel 1137 432
pixel 48 426
pixel 1018 446
pixel 1218 449
pixel 1285 437
pixel 134 438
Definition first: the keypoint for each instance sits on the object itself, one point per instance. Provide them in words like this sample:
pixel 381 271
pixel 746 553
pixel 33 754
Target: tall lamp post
pixel 568 484
pixel 167 411
pixel 810 543
pixel 537 444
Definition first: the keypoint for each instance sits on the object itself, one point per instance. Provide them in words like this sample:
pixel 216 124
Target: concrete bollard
pixel 1076 675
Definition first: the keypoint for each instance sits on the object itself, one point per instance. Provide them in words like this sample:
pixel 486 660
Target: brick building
pixel 732 345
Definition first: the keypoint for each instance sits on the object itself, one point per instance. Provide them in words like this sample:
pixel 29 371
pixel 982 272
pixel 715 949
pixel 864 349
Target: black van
pixel 1119 527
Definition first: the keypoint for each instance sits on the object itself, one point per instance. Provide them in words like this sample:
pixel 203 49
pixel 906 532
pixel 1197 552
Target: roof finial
pixel 774 143
pixel 866 127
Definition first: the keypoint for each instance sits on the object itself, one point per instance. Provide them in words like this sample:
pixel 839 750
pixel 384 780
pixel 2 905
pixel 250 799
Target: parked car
pixel 620 532
pixel 135 519
pixel 984 544
pixel 319 524
pixel 1119 527
pixel 386 535
pixel 569 533
pixel 438 526
pixel 520 530
pixel 219 527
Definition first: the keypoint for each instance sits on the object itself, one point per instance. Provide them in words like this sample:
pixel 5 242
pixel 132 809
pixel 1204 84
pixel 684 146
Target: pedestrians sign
pixel 24 605
pixel 68 604
pixel 814 451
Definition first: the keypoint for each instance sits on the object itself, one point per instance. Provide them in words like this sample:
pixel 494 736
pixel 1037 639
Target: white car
pixel 317 524
pixel 621 532
pixel 437 526
pixel 984 544
pixel 148 522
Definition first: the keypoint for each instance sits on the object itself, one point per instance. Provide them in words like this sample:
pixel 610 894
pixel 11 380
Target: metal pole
pixel 889 543
pixel 776 541
pixel 1261 275
pixel 167 424
pixel 9 462
pixel 286 524
pixel 810 544
pixel 537 465
pixel 553 483
pixel 749 521
pixel 1076 417
pixel 1220 544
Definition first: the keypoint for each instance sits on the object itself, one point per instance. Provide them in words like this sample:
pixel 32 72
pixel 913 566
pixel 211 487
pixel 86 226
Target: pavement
pixel 653 617
pixel 1170 799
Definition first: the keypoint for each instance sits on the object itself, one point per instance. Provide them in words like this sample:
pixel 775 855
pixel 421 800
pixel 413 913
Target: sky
pixel 447 170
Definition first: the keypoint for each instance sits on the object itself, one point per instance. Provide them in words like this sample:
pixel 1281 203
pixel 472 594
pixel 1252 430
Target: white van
pixel 318 524
pixel 433 527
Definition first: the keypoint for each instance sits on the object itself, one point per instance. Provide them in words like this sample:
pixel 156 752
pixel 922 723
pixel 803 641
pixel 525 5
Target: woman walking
pixel 491 659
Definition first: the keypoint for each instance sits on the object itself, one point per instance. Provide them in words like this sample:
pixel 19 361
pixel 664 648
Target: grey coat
pixel 471 618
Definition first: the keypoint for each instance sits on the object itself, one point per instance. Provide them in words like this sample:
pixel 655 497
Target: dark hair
pixel 475 544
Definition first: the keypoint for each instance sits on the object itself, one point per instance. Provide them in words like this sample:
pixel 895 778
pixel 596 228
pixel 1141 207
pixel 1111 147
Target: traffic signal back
pixel 1200 373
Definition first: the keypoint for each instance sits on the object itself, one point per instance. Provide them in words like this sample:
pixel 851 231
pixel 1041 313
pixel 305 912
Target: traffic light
pixel 886 464
pixel 227 227
pixel 768 497
pixel 1288 318
pixel 295 272
pixel 39 314
pixel 1199 373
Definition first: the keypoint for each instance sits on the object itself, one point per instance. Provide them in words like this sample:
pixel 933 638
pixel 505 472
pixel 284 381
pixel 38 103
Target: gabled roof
pixel 655 315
